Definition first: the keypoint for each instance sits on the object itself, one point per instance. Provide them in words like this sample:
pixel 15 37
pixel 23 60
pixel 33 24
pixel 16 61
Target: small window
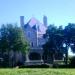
pixel 32 44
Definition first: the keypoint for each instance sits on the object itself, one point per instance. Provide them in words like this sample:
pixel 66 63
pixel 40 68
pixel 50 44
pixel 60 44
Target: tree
pixel 54 42
pixel 17 39
pixel 12 39
pixel 69 35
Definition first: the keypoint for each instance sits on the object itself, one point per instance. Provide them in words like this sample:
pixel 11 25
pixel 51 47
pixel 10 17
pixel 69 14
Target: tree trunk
pixel 66 56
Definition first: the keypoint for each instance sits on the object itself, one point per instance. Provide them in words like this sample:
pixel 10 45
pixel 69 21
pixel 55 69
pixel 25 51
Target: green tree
pixel 12 39
pixel 54 42
pixel 69 35
pixel 17 39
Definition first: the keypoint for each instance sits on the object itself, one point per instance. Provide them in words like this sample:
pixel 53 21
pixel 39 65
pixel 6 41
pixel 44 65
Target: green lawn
pixel 36 71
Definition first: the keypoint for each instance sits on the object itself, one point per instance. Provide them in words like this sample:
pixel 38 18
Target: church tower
pixel 45 20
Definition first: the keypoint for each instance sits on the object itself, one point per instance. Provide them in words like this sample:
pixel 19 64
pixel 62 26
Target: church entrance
pixel 34 56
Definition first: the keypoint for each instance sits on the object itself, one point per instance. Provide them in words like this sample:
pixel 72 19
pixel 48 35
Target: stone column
pixel 27 57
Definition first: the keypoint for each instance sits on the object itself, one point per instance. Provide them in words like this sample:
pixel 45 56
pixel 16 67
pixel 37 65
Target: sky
pixel 58 12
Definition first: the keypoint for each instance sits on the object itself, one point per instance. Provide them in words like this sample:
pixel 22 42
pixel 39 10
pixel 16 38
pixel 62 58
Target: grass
pixel 36 71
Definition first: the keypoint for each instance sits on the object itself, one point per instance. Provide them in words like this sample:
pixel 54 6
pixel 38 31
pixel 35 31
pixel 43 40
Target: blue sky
pixel 59 12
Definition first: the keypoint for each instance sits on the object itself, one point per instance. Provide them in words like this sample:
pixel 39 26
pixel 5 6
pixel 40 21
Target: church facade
pixel 34 31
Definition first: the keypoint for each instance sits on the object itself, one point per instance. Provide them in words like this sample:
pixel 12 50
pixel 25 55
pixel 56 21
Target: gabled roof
pixel 26 25
pixel 35 24
pixel 34 27
pixel 33 21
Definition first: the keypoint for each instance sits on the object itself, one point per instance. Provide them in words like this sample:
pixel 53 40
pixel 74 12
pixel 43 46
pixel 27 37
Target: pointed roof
pixel 34 27
pixel 26 25
pixel 33 21
pixel 37 25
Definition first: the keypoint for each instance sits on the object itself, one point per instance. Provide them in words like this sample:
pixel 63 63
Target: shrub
pixel 72 62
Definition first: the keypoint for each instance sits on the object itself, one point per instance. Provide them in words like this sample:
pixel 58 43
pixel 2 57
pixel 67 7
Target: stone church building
pixel 34 31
